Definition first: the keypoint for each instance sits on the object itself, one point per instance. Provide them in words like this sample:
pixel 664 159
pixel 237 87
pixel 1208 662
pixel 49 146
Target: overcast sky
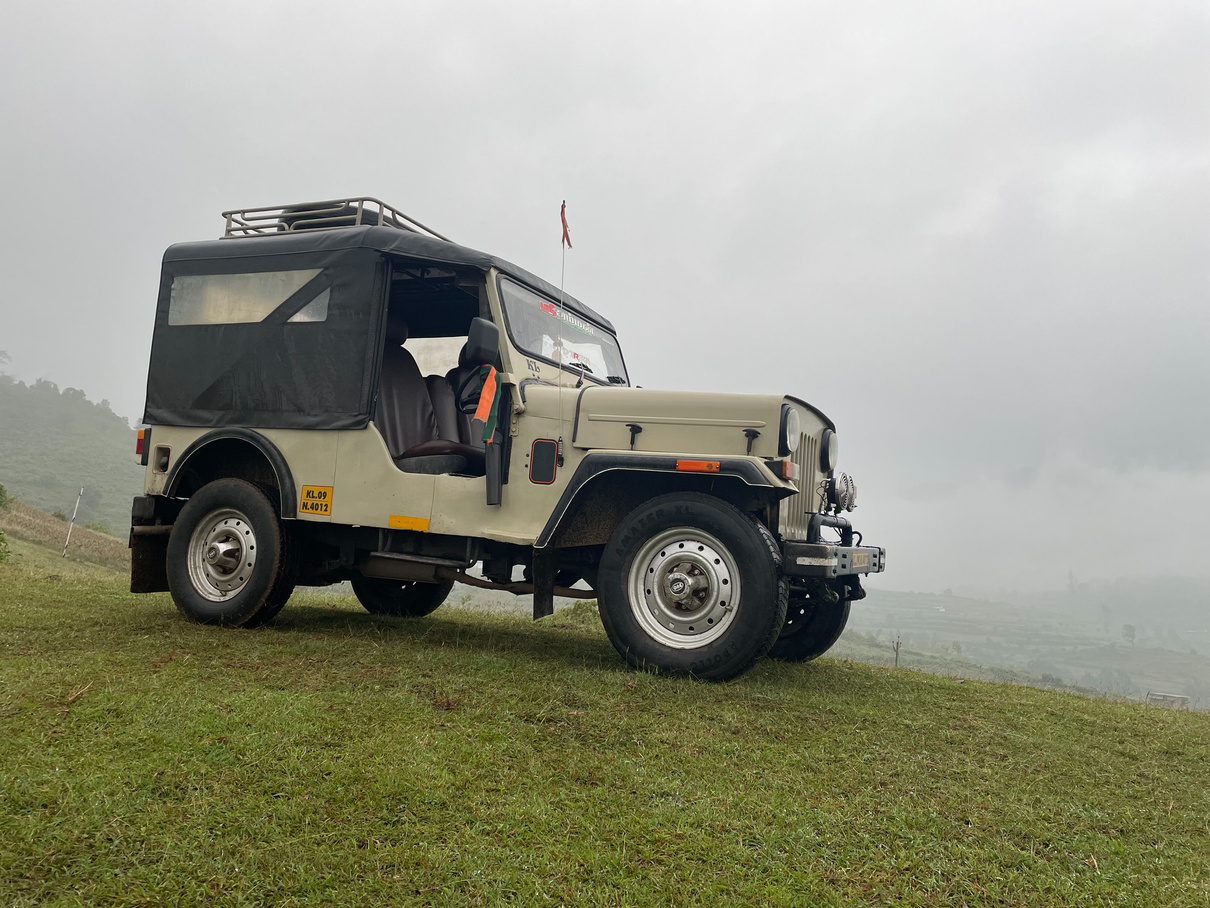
pixel 977 235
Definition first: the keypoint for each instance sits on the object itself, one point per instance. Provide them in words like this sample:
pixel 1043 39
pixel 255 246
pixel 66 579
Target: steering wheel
pixel 465 406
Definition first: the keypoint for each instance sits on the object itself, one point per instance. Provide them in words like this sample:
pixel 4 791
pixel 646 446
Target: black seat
pixel 407 420
pixel 454 379
pixel 449 422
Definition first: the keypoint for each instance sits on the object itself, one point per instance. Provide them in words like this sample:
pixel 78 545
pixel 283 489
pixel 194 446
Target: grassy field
pixel 338 758
pixel 21 522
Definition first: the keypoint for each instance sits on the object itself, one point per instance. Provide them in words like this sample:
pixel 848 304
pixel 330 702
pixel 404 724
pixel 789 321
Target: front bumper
pixel 811 559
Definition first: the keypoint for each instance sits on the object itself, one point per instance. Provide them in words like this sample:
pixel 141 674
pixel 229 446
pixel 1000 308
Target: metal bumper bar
pixel 806 559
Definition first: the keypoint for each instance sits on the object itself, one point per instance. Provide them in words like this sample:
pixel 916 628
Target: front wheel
pixel 690 584
pixel 812 628
pixel 400 598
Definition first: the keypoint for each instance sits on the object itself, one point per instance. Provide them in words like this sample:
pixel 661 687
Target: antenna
pixel 564 245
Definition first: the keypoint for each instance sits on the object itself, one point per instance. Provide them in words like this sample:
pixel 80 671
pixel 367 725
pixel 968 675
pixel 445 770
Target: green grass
pixel 338 758
pixel 45 535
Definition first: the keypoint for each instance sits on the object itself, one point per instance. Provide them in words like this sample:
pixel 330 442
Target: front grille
pixel 797 509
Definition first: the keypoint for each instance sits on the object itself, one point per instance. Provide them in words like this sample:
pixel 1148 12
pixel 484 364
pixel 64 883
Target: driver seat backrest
pixel 454 379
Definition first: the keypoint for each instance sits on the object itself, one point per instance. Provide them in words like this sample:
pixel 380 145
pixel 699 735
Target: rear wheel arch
pixel 235 453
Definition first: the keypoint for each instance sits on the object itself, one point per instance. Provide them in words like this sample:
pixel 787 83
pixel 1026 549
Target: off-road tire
pixel 811 630
pixel 674 536
pixel 400 598
pixel 238 516
pixel 283 587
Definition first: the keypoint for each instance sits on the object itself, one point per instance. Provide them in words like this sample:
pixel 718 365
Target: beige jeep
pixel 337 393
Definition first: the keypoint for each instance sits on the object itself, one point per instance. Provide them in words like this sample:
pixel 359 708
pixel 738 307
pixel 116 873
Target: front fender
pixel 747 470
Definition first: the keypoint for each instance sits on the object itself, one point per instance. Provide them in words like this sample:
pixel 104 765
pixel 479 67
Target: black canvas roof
pixel 386 240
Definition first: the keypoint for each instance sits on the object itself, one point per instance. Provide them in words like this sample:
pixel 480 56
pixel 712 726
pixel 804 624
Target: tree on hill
pixel 56 442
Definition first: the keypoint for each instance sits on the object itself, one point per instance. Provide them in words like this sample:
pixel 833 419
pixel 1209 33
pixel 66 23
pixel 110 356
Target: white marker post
pixel 74 512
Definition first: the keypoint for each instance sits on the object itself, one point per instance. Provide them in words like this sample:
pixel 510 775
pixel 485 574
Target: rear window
pixel 240 299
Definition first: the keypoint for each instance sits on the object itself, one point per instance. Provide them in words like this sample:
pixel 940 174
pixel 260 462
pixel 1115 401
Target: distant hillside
pixel 54 442
pixel 1087 640
pixel 36 537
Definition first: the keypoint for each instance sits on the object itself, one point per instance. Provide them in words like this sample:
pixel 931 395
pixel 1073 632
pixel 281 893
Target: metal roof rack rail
pixel 274 220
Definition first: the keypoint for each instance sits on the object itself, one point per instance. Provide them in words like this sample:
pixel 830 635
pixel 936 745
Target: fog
pixel 976 236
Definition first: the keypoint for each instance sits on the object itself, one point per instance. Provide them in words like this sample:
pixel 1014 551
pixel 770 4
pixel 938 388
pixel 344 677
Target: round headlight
pixel 790 436
pixel 829 451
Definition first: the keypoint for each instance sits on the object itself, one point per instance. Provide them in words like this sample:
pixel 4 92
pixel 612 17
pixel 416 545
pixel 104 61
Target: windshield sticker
pixel 590 355
pixel 578 323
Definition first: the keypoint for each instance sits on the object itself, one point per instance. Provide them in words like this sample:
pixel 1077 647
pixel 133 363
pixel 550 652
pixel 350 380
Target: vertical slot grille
pixel 795 510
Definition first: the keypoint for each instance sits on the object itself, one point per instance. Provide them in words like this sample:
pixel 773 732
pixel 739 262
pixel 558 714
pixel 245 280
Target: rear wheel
pixel 287 576
pixel 812 628
pixel 400 598
pixel 225 555
pixel 690 584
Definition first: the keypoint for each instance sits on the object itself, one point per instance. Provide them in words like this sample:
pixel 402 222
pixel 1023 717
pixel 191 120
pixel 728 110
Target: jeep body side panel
pixel 309 458
pixel 369 490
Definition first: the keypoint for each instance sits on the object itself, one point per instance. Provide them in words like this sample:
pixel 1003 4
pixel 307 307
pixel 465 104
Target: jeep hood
pixel 685 422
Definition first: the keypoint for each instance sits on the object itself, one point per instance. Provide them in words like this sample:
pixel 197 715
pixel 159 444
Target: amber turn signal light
pixel 786 469
pixel 698 466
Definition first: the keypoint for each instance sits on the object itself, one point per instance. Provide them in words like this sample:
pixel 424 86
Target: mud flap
pixel 544 583
pixel 149 564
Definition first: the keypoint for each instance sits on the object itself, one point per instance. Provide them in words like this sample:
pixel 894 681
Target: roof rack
pixel 332 214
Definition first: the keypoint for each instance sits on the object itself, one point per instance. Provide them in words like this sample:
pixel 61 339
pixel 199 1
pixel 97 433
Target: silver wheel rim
pixel 222 554
pixel 684 588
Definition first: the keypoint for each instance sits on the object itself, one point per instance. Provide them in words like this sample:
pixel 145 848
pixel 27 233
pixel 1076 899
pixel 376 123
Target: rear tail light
pixel 142 447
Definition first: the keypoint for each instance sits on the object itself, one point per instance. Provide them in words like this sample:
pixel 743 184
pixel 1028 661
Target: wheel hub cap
pixel 222 554
pixel 684 585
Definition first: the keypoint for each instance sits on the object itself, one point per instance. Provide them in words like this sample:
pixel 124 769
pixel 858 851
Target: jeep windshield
pixel 540 328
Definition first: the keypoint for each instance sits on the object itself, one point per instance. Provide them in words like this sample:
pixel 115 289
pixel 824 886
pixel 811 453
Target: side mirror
pixel 483 342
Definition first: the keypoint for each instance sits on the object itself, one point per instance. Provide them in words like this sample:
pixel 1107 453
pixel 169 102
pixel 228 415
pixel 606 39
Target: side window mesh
pixel 236 299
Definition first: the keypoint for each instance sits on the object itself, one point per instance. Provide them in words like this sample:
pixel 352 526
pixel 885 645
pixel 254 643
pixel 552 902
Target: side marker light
pixel 786 469
pixel 699 466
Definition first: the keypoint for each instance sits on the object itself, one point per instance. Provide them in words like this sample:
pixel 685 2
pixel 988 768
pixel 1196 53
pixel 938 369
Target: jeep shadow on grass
pixel 337 392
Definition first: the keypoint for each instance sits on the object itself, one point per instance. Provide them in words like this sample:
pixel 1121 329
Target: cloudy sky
pixel 976 234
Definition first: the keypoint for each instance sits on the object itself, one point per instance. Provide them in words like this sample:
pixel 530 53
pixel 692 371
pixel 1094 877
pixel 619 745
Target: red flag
pixel 563 218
